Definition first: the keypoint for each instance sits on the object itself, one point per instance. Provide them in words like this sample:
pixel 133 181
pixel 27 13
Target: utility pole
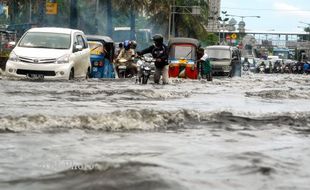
pixel 185 10
pixel 109 17
pixel 42 8
pixel 73 14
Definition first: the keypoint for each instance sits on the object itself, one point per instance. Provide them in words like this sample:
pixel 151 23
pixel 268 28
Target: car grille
pixel 27 72
pixel 35 60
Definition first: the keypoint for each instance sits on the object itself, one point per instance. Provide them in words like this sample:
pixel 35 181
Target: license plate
pixel 35 76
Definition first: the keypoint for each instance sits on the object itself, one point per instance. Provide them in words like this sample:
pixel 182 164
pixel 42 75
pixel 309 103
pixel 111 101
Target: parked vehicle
pixel 101 56
pixel 50 53
pixel 183 58
pixel 225 60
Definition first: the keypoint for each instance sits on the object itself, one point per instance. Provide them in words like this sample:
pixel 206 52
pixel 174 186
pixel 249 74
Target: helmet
pixel 127 44
pixel 133 44
pixel 158 39
pixel 120 45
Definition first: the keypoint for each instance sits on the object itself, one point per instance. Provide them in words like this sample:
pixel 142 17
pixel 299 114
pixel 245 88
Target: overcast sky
pixel 278 15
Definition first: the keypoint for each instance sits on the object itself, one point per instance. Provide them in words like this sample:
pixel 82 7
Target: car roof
pixel 180 40
pixel 221 47
pixel 106 39
pixel 54 30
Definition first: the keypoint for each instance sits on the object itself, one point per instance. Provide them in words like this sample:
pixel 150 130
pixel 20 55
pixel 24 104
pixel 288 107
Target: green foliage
pixel 211 39
pixel 147 14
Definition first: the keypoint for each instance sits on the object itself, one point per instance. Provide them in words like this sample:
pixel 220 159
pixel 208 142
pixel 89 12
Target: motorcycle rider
pixel 159 52
pixel 119 49
pixel 127 53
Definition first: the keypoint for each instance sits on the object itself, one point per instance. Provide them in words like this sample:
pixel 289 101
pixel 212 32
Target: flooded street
pixel 242 133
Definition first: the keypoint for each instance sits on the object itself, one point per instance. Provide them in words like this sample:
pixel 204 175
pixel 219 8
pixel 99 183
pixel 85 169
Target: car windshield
pixel 184 51
pixel 46 40
pixel 218 54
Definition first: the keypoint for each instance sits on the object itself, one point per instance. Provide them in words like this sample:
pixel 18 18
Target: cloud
pixel 291 10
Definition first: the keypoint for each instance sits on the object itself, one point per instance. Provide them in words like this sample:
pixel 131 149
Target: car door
pixel 85 55
pixel 78 65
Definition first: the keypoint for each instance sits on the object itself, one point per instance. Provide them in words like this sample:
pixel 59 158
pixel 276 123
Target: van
pixel 51 53
pixel 224 60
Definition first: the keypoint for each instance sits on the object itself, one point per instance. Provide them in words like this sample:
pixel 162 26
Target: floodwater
pixel 242 133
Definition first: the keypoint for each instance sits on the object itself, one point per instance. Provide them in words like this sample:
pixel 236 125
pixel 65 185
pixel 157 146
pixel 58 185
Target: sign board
pixel 51 8
pixel 233 36
pixel 196 10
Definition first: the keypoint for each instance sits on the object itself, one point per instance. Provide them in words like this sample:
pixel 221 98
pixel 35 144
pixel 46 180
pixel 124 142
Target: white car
pixel 50 53
pixel 225 59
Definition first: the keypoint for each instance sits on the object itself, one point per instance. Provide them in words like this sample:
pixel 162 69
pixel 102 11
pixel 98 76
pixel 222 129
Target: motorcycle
pixel 286 69
pixel 146 68
pixel 277 69
pixel 262 69
pixel 246 66
pixel 125 68
pixel 294 69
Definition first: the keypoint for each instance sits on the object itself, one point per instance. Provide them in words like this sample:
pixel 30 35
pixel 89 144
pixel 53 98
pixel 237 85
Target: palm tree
pixel 185 24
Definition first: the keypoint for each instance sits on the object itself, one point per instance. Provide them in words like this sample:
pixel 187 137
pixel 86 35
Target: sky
pixel 275 15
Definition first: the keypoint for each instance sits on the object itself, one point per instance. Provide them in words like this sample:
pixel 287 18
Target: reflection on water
pixel 243 133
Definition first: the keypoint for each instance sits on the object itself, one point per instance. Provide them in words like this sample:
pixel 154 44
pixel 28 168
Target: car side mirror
pixel 78 48
pixel 12 44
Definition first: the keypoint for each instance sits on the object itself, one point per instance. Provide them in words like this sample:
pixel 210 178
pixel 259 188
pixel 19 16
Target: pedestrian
pixel 159 52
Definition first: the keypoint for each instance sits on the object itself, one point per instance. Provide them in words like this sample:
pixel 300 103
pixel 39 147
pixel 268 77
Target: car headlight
pixel 13 57
pixel 63 59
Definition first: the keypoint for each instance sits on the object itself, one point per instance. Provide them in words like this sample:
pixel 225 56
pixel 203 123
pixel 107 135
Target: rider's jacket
pixel 126 54
pixel 159 53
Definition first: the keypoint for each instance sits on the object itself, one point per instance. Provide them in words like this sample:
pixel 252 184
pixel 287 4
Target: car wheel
pixel 71 75
pixel 144 79
pixel 88 74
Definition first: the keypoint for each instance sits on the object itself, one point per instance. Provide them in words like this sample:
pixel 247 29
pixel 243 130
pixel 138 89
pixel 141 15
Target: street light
pixel 242 23
pixel 241 16
pixel 223 20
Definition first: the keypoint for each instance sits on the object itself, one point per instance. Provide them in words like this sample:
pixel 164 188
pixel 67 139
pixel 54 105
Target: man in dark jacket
pixel 159 52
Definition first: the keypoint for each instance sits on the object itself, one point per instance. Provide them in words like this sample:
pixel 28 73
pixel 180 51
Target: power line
pixel 245 9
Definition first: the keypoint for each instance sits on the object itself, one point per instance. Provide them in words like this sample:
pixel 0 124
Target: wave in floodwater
pixel 280 94
pixel 105 175
pixel 151 120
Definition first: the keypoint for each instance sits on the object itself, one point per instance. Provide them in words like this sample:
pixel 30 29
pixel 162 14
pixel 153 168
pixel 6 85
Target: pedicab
pixel 183 59
pixel 102 54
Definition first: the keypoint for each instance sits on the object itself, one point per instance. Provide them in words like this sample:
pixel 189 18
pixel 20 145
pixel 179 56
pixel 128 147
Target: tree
pixel 135 7
pixel 185 24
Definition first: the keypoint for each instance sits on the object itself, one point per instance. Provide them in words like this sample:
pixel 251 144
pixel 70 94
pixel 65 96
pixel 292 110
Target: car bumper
pixel 221 69
pixel 48 71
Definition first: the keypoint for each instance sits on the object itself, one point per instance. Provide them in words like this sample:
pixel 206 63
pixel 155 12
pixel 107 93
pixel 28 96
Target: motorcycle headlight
pixel 13 57
pixel 63 59
pixel 148 59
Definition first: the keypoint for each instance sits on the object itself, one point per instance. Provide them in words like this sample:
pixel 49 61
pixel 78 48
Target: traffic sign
pixel 51 8
pixel 233 36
